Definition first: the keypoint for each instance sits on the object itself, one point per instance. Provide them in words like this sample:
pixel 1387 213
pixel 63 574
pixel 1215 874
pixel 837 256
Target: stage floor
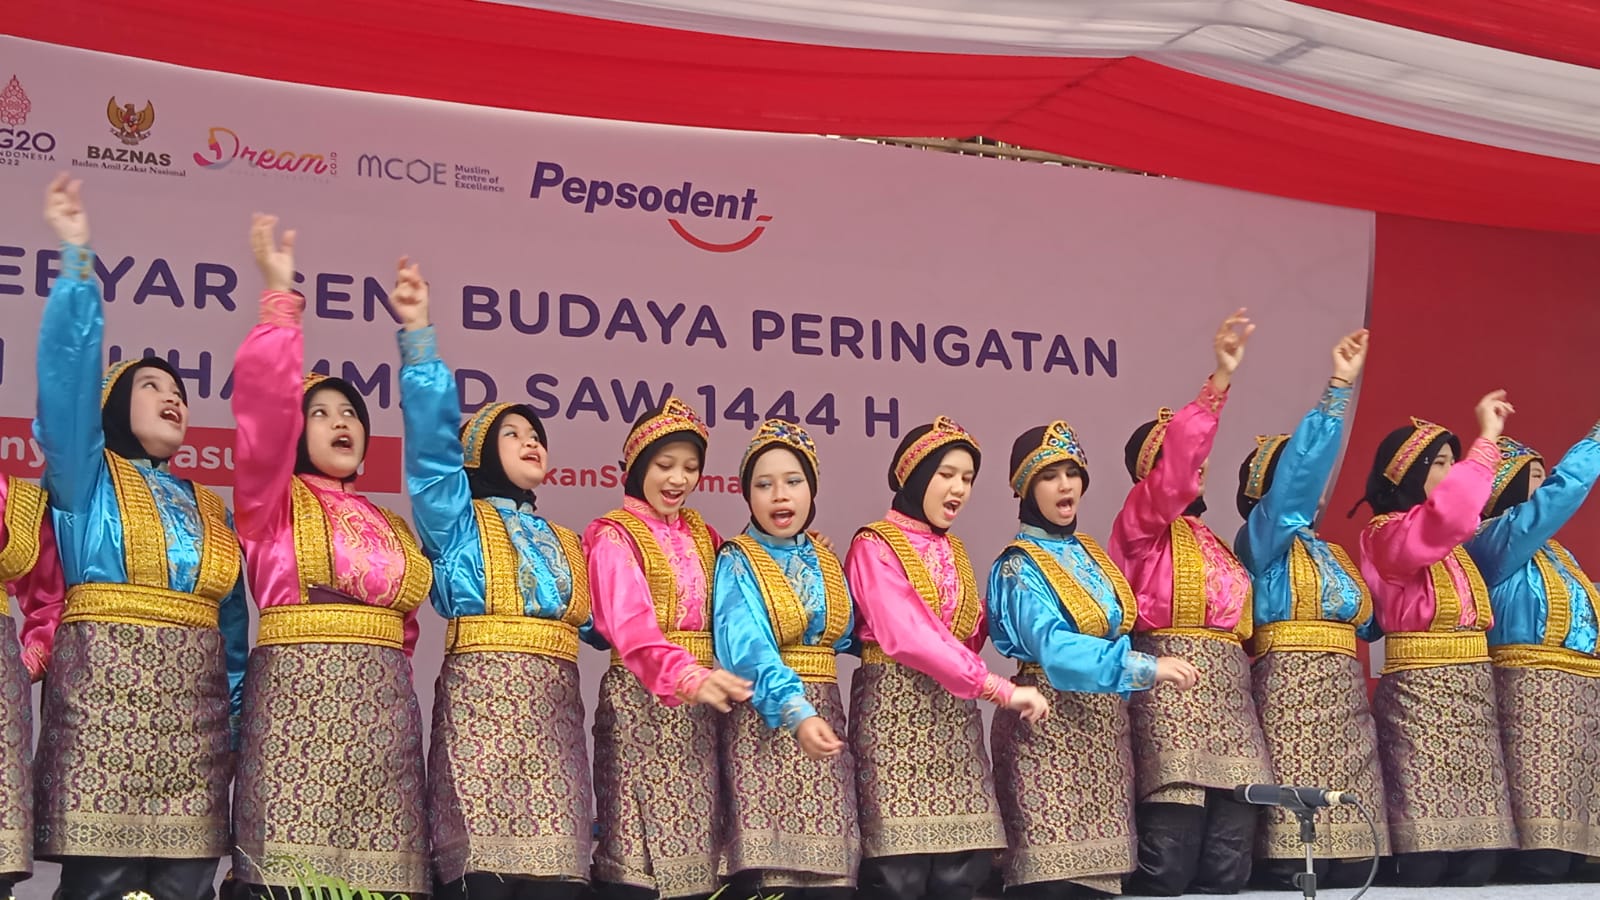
pixel 43 884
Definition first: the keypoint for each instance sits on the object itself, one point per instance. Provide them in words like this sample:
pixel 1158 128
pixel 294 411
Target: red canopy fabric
pixel 1125 111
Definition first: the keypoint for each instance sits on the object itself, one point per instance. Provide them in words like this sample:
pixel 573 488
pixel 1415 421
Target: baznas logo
pixel 130 124
pixel 679 201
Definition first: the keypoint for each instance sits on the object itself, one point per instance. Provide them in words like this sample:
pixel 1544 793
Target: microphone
pixel 1292 797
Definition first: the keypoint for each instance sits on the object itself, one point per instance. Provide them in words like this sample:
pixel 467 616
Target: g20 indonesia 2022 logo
pixel 679 203
pixel 19 144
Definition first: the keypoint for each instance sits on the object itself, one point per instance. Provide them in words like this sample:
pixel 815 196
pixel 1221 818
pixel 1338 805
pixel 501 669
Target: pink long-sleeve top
pixel 624 610
pixel 893 615
pixel 1141 536
pixel 1398 550
pixel 369 561
pixel 40 590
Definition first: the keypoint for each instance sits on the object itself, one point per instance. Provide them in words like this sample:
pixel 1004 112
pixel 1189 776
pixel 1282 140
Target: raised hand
pixel 1492 412
pixel 63 209
pixel 410 296
pixel 275 260
pixel 1349 355
pixel 1229 342
pixel 817 738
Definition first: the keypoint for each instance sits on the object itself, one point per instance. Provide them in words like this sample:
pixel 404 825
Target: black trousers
pixel 1463 868
pixel 489 886
pixel 606 891
pixel 747 886
pixel 1539 866
pixel 1052 890
pixel 937 876
pixel 1200 849
pixel 108 878
pixel 1278 874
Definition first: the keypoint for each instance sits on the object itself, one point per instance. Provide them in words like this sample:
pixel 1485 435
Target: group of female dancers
pixel 722 754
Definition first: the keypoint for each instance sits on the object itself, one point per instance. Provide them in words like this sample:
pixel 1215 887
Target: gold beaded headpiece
pixel 1152 444
pixel 1268 446
pixel 1412 449
pixel 474 434
pixel 1060 444
pixel 945 432
pixel 1514 457
pixel 113 372
pixel 784 434
pixel 675 417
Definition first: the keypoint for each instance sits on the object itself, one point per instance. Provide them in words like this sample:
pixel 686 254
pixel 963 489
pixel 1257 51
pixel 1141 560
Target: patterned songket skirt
pixel 508 772
pixel 1319 730
pixel 790 816
pixel 1550 726
pixel 657 788
pixel 16 758
pixel 1066 790
pixel 922 771
pixel 1440 746
pixel 330 769
pixel 133 753
pixel 1205 737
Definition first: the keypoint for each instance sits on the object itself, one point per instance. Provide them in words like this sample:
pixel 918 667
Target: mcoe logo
pixel 398 168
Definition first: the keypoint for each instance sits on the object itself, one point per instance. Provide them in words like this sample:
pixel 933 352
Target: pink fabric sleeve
pixel 625 616
pixel 1426 533
pixel 411 630
pixel 905 627
pixel 267 394
pixel 41 594
pixel 1174 481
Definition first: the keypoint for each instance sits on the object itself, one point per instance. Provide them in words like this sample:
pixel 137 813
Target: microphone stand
pixel 1306 881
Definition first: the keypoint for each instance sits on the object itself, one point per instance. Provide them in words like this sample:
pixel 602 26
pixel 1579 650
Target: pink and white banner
pixel 593 267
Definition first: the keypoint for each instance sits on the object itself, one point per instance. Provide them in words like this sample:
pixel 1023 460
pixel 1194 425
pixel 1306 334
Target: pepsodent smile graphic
pixel 679 203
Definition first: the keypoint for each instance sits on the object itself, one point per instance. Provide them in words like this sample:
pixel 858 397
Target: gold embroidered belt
pixel 1312 636
pixel 814 664
pixel 1538 656
pixel 512 634
pixel 1406 650
pixel 137 604
pixel 698 643
pixel 872 655
pixel 1032 668
pixel 1209 634
pixel 332 623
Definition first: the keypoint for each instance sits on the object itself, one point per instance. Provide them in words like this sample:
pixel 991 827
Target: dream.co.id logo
pixel 18 144
pixel 679 203
pixel 224 147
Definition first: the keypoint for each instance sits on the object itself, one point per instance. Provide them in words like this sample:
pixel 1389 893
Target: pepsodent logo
pixel 679 203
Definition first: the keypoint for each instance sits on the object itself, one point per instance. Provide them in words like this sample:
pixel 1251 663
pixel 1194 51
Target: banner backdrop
pixel 594 267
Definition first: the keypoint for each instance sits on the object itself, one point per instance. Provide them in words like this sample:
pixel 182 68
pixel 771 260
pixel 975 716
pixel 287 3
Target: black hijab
pixel 908 497
pixel 1245 502
pixel 116 412
pixel 487 475
pixel 1130 456
pixel 1028 511
pixel 1385 496
pixel 302 454
pixel 633 486
pixel 806 469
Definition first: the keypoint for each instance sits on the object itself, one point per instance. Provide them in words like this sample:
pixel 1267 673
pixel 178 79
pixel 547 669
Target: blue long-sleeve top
pixel 441 503
pixel 1511 548
pixel 742 631
pixel 1028 621
pixel 83 499
pixel 1285 517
